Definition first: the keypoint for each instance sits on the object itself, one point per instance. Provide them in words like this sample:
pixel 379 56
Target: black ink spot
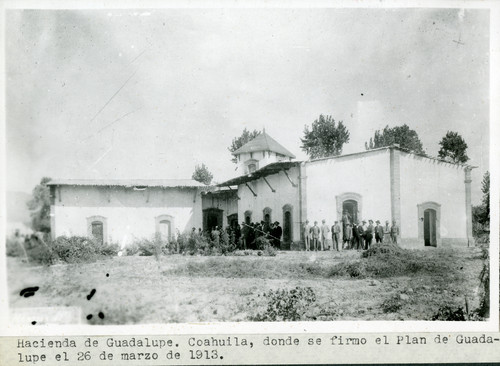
pixel 33 322
pixel 89 316
pixel 101 315
pixel 92 293
pixel 362 94
pixel 221 357
pixel 29 291
pixel 107 274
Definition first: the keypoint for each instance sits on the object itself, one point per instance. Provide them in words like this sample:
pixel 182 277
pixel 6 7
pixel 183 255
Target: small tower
pixel 259 152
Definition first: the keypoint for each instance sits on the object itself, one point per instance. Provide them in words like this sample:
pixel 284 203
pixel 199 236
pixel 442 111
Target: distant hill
pixel 17 210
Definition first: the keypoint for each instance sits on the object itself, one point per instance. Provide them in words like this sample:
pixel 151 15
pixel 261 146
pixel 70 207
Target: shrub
pixel 261 242
pixel 149 247
pixel 13 247
pixel 450 314
pixel 76 249
pixel 385 248
pixel 132 249
pixel 286 305
pixel 392 304
pixel 269 251
pixel 109 250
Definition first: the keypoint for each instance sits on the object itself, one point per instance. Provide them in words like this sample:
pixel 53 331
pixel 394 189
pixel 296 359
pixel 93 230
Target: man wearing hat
pixel 361 232
pixel 394 232
pixel 387 232
pixel 307 235
pixel 379 232
pixel 369 234
pixel 335 236
pixel 315 231
pixel 277 232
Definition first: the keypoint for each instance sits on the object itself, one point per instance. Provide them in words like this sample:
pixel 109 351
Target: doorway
pixel 165 230
pixel 430 237
pixel 212 217
pixel 351 208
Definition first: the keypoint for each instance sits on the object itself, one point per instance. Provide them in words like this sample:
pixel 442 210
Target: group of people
pixel 348 235
pixel 245 236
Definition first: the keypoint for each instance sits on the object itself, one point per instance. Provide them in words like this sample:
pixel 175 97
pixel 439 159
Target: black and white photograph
pixel 243 164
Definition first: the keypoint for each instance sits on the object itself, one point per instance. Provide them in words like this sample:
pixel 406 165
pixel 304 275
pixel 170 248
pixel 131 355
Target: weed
pixel 392 305
pixel 286 305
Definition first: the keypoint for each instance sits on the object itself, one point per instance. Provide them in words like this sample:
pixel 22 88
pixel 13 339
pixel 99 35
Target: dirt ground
pixel 131 290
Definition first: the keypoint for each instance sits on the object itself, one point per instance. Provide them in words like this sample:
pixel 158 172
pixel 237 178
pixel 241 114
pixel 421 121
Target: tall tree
pixel 325 138
pixel 202 174
pixel 238 142
pixel 404 136
pixel 453 148
pixel 39 205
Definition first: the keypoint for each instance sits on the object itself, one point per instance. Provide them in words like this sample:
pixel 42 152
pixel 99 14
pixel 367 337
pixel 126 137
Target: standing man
pixel 394 232
pixel 347 237
pixel 336 235
pixel 379 232
pixel 278 231
pixel 361 233
pixel 244 234
pixel 324 235
pixel 315 231
pixel 387 232
pixel 306 231
pixel 355 236
pixel 369 234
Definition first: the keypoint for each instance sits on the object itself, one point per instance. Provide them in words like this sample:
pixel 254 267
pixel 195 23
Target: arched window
pixel 165 227
pixel 252 168
pixel 266 215
pixel 287 225
pixel 97 228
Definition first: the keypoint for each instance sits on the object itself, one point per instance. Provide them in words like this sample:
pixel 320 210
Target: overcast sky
pixel 152 93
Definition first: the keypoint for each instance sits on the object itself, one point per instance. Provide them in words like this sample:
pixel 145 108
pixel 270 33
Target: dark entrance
pixel 351 207
pixel 212 217
pixel 232 220
pixel 430 227
pixel 97 231
pixel 287 227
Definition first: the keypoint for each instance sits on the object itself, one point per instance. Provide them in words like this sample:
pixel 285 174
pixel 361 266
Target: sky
pixel 152 93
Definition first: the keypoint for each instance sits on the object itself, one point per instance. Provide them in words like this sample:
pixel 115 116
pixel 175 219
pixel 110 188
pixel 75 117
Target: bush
pixel 286 305
pixel 382 249
pixel 109 250
pixel 269 251
pixel 149 247
pixel 132 249
pixel 448 313
pixel 392 304
pixel 76 249
pixel 13 247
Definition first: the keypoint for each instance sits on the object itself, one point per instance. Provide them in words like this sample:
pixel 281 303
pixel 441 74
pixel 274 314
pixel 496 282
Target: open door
pixel 430 237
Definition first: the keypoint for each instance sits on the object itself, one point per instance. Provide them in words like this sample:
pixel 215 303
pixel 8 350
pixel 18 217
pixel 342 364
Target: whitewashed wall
pixel 285 194
pixel 130 214
pixel 425 180
pixel 366 174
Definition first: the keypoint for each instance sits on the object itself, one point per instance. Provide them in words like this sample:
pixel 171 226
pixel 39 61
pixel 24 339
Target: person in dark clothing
pixel 237 235
pixel 369 234
pixel 355 236
pixel 379 232
pixel 361 233
pixel 278 231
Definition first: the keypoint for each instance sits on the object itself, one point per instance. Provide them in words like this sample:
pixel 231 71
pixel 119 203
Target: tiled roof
pixel 263 142
pixel 128 182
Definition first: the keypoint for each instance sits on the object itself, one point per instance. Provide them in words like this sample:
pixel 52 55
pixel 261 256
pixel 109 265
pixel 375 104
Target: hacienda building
pixel 430 199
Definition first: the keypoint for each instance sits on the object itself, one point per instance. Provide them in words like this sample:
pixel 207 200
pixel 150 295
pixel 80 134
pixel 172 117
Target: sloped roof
pixel 262 172
pixel 127 182
pixel 263 142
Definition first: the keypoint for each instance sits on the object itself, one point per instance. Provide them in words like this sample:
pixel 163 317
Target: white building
pixel 430 199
